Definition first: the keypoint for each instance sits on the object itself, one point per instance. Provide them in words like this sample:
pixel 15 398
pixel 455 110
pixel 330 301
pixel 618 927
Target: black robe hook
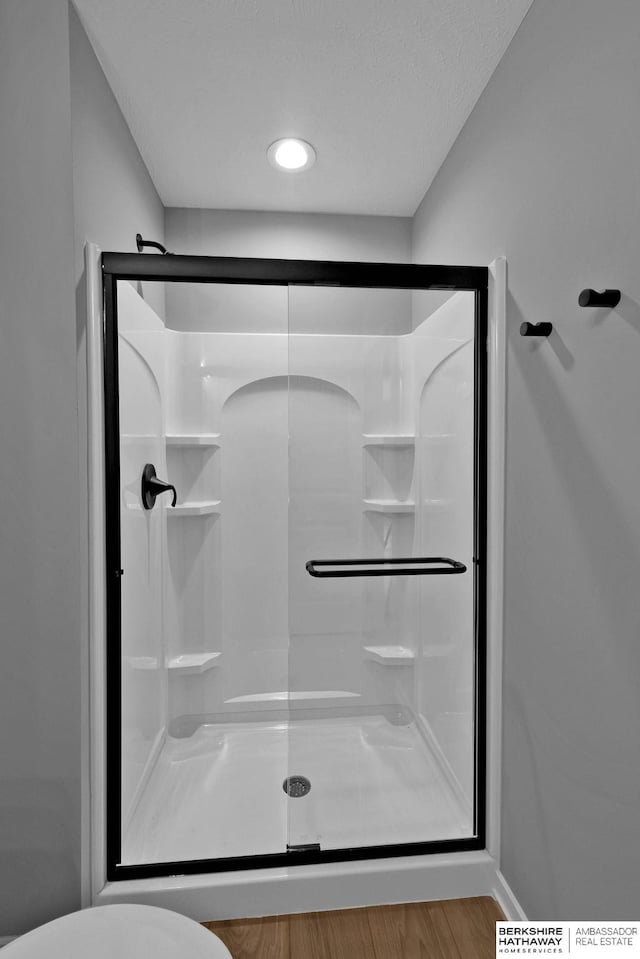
pixel 535 329
pixel 608 298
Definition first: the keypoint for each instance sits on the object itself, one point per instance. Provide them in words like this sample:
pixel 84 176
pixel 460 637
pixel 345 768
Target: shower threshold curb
pixel 342 885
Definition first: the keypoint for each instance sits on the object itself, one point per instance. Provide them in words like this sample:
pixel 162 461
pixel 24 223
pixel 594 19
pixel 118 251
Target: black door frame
pixel 171 268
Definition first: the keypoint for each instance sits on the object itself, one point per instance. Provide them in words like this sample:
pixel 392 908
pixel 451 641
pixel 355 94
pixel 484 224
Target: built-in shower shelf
pixel 388 439
pixel 193 439
pixel 388 506
pixel 203 508
pixel 191 664
pixel 289 696
pixel 390 655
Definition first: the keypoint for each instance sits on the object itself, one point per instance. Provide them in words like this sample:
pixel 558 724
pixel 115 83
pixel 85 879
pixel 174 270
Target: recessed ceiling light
pixel 291 154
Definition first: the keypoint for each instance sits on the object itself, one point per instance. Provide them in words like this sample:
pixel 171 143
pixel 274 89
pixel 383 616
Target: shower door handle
pixel 152 487
pixel 411 566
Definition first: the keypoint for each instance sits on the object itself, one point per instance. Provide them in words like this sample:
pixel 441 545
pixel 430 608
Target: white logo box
pixel 588 938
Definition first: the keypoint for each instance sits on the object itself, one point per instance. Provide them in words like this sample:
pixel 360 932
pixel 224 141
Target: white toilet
pixel 119 932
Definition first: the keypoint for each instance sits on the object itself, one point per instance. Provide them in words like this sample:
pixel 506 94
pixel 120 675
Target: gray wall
pixel 41 496
pixel 113 199
pixel 64 148
pixel 310 236
pixel 546 171
pixel 113 195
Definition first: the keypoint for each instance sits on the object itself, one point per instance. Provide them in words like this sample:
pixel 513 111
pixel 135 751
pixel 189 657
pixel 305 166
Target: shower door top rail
pixel 386 566
pixel 172 268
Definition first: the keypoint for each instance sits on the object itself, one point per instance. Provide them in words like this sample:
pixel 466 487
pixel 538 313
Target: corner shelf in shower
pixel 202 508
pixel 388 506
pixel 388 439
pixel 193 664
pixel 390 655
pixel 193 439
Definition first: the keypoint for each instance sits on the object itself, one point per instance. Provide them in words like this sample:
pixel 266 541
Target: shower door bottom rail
pixel 407 566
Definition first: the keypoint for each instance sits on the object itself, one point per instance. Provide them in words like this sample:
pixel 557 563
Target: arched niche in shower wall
pixel 291 473
pixel 325 520
pixel 253 568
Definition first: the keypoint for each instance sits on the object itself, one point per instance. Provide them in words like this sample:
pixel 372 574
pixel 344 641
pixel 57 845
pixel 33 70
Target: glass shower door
pixel 382 698
pixel 202 718
pixel 295 644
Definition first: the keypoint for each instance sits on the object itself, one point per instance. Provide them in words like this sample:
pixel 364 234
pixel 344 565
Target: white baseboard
pixel 504 896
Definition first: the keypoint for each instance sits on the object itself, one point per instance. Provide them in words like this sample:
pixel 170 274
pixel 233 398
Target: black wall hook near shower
pixel 608 298
pixel 152 487
pixel 535 329
pixel 140 243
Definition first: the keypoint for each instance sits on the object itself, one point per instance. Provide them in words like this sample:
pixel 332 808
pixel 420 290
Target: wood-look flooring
pixel 452 929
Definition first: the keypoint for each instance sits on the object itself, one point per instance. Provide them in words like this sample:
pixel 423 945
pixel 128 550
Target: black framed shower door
pixel 171 268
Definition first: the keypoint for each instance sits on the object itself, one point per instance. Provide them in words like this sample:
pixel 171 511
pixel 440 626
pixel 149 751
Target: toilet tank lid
pixel 119 931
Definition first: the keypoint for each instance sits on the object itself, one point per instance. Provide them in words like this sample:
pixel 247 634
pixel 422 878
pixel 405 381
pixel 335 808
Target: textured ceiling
pixel 381 88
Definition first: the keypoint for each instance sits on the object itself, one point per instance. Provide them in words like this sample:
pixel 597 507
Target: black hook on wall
pixel 535 329
pixel 608 298
pixel 140 243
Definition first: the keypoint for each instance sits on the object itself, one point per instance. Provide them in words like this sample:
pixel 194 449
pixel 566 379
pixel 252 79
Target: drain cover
pixel 296 786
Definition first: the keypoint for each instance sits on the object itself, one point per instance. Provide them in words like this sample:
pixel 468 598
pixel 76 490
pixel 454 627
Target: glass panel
pixel 381 466
pixel 204 396
pixel 143 551
pixel 277 692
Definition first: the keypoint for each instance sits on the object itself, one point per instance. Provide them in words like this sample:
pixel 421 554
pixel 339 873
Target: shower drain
pixel 296 786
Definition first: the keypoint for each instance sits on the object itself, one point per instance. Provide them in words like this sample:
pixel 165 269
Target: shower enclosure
pixel 295 562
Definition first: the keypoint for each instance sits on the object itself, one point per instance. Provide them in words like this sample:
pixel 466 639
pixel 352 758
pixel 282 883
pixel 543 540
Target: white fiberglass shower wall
pixel 267 711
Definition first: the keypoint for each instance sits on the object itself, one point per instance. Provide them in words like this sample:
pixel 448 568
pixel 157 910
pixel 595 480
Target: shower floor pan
pixel 219 792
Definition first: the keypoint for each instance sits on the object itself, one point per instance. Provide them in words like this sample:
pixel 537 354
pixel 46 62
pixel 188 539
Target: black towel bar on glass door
pixel 385 567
